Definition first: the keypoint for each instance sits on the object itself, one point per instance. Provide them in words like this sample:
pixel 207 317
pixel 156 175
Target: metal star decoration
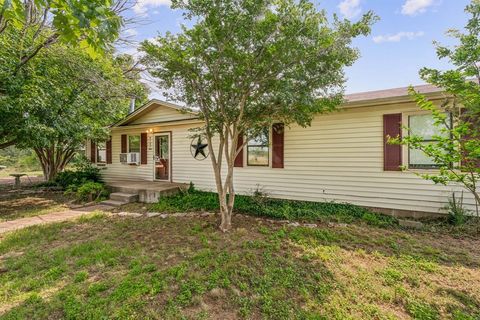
pixel 198 148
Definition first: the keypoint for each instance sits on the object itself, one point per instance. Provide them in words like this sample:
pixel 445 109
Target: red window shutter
pixel 239 159
pixel 143 148
pixel 108 146
pixel 473 123
pixel 392 153
pixel 124 143
pixel 278 131
pixel 93 152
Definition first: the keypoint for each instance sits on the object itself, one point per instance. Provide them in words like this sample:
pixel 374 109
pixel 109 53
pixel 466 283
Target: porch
pixel 124 191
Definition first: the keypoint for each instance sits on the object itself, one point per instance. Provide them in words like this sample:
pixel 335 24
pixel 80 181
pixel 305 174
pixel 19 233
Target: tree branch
pixel 28 57
pixel 7 144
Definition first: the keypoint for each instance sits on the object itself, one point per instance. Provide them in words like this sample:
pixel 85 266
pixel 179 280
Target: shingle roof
pixel 389 93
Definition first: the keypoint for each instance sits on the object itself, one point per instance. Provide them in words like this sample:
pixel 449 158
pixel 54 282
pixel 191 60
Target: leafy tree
pixel 29 27
pixel 457 150
pixel 92 24
pixel 69 97
pixel 246 64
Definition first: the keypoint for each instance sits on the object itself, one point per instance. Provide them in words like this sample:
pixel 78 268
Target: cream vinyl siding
pixel 338 158
pixel 116 170
pixel 161 114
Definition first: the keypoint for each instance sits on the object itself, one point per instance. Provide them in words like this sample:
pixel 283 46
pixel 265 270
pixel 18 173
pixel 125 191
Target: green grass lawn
pixel 16 205
pixel 106 267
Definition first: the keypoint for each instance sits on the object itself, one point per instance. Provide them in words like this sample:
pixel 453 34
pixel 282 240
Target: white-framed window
pixel 258 149
pixel 134 143
pixel 101 152
pixel 422 125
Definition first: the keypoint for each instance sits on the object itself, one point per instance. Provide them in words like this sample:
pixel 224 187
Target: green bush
pixel 84 181
pixel 193 200
pixel 91 191
pixel 83 172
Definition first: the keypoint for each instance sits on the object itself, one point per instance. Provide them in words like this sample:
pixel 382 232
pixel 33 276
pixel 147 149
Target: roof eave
pixel 145 107
pixel 391 100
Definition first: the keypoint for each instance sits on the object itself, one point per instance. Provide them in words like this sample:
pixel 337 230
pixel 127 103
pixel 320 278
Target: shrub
pixel 92 191
pixel 259 195
pixel 457 214
pixel 47 184
pixel 83 171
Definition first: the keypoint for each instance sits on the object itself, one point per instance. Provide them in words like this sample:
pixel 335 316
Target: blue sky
pixel 400 43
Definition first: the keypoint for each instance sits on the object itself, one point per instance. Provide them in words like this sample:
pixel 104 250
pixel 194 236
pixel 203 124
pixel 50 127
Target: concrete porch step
pixel 124 197
pixel 147 191
pixel 118 199
pixel 113 203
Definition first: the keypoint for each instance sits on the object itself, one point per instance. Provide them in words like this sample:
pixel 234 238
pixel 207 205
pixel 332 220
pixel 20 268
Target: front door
pixel 162 157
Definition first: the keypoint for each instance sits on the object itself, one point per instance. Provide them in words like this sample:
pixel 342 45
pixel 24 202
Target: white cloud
pixel 131 49
pixel 398 36
pixel 130 32
pixel 413 7
pixel 152 40
pixel 350 8
pixel 141 7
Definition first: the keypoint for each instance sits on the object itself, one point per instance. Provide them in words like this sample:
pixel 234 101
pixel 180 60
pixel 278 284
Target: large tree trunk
pixel 54 159
pixel 227 151
pixel 225 213
pixel 227 200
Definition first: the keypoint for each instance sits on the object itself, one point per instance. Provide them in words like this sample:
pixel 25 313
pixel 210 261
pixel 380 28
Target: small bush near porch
pixel 185 268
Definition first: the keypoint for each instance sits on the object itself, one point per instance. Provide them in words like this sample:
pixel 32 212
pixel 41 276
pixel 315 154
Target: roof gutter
pixel 391 100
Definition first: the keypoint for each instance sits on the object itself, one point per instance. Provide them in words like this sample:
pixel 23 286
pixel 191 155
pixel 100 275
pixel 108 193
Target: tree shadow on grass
pixel 20 206
pixel 392 242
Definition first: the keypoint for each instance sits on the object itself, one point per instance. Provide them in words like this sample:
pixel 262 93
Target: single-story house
pixel 343 156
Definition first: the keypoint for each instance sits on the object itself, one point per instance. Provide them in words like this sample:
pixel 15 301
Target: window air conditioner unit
pixel 130 158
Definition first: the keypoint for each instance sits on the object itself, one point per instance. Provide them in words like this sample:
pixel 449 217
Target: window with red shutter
pixel 258 149
pixel 101 152
pixel 109 150
pixel 473 123
pixel 143 148
pixel 278 132
pixel 93 152
pixel 239 159
pixel 123 140
pixel 392 154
